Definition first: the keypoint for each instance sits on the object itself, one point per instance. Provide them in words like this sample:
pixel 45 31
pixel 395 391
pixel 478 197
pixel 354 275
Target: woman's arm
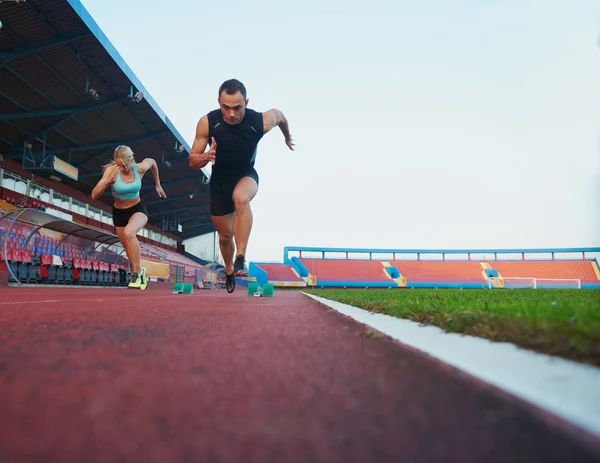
pixel 149 164
pixel 108 178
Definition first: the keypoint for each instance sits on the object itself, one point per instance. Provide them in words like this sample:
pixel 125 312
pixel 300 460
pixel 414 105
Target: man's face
pixel 233 107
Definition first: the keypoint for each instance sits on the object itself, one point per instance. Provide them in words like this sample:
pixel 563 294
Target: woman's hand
pixel 160 191
pixel 112 178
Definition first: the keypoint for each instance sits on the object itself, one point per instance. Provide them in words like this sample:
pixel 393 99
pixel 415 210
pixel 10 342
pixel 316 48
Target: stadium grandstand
pixel 67 99
pixel 410 268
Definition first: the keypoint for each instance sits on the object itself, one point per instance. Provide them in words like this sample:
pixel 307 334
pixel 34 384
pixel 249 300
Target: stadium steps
pixel 279 275
pixel 388 269
pixel 596 269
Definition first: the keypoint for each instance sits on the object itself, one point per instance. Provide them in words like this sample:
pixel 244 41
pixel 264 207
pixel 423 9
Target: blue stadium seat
pixel 491 272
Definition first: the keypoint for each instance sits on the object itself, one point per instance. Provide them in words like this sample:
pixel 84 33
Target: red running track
pixel 125 376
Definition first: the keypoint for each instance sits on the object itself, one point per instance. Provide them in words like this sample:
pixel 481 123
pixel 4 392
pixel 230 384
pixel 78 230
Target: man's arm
pixel 275 118
pixel 198 158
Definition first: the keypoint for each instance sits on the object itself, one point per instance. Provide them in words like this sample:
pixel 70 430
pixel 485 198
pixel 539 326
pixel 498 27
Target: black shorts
pixel 121 216
pixel 221 193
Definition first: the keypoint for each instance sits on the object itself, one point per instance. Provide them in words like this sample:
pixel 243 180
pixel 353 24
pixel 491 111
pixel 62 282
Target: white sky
pixel 461 124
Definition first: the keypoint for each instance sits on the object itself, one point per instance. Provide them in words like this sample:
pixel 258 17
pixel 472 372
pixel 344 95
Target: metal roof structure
pixel 47 221
pixel 66 92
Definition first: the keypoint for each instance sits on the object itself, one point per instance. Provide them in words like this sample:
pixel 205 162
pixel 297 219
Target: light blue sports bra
pixel 124 190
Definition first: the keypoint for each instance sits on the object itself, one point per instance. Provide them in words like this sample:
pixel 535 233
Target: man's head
pixel 232 101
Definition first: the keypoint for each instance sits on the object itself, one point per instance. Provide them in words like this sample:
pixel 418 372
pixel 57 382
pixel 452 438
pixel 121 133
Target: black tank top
pixel 236 144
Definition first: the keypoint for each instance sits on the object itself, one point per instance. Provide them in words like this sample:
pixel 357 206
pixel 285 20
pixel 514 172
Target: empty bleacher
pixel 469 272
pixel 432 273
pixel 281 274
pixel 348 272
pixel 152 253
pixel 37 255
pixel 78 257
pixel 583 270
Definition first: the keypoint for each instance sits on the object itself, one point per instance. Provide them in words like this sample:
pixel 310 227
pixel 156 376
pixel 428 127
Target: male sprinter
pixel 234 131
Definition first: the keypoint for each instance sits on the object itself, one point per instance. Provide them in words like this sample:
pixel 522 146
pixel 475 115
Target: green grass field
pixel 560 322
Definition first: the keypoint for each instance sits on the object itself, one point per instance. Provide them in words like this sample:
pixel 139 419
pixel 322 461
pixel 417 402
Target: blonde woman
pixel 124 176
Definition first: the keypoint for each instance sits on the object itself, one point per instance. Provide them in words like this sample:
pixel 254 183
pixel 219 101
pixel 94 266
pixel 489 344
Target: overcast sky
pixel 428 124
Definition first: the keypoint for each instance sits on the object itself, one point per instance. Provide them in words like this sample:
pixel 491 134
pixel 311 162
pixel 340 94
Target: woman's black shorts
pixel 121 216
pixel 221 193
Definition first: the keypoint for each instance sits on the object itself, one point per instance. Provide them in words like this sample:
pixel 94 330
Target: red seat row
pixel 75 271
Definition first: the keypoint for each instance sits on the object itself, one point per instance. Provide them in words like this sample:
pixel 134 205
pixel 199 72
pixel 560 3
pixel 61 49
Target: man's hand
pixel 210 154
pixel 275 118
pixel 289 142
pixel 198 158
pixel 160 191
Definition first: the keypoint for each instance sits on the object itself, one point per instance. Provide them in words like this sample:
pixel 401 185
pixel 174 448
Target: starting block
pixel 261 291
pixel 183 288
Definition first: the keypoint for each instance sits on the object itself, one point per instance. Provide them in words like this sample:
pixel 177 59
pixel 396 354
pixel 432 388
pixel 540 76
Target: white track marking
pixel 568 389
pixel 66 301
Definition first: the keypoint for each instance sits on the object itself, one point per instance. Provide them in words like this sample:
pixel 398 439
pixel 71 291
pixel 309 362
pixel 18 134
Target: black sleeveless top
pixel 236 144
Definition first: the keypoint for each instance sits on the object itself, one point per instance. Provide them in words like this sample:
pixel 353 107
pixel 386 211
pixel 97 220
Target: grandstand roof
pixel 49 222
pixel 53 58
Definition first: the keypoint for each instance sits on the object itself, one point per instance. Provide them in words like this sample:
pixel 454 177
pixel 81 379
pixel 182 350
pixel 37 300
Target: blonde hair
pixel 121 152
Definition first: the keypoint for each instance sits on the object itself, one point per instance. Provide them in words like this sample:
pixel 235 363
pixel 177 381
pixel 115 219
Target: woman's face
pixel 124 163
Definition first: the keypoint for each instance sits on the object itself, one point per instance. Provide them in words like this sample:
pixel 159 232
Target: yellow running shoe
pixel 135 282
pixel 144 281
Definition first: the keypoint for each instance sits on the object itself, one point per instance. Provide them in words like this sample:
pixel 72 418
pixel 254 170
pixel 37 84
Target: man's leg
pixel 244 192
pixel 224 226
pixel 222 212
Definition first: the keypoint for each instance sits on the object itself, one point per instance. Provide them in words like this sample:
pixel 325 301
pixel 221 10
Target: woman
pixel 124 176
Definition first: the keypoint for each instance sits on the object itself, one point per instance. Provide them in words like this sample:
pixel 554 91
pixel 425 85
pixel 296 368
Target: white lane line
pixel 66 301
pixel 568 389
pixel 29 302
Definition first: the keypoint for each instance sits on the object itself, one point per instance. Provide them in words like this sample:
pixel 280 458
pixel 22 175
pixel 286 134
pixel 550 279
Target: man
pixel 233 132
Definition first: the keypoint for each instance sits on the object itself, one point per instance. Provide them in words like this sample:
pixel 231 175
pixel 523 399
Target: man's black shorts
pixel 121 216
pixel 221 193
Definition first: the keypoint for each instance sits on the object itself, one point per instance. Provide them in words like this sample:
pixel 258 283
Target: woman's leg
pixel 128 237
